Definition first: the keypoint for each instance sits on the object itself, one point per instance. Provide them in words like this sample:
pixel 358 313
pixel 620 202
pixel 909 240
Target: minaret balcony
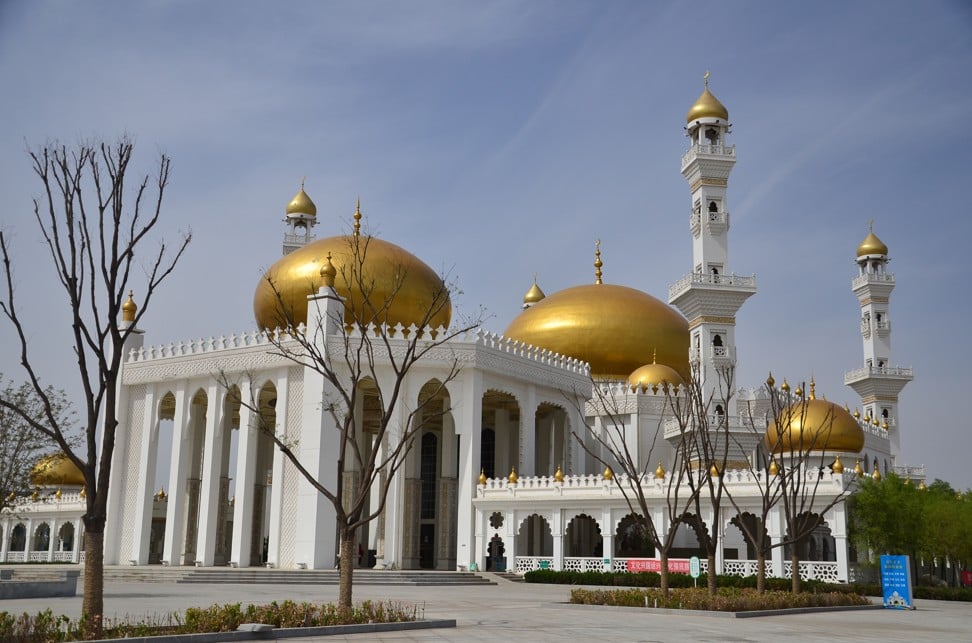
pixel 743 424
pixel 882 328
pixel 879 372
pixel 716 355
pixel 713 221
pixel 708 151
pixel 873 278
pixel 706 280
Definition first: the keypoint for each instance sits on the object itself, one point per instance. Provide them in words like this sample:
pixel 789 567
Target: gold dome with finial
pixel 328 272
pixel 654 376
pixel 513 478
pixel 858 469
pixel 608 473
pixel 774 469
pixel 398 284
pixel 615 329
pixel 871 244
pixel 837 466
pixel 558 474
pixel 707 106
pixel 877 474
pixel 533 295
pixel 770 382
pixel 814 425
pixel 301 203
pixel 55 471
pixel 482 476
pixel 129 308
pixel 660 472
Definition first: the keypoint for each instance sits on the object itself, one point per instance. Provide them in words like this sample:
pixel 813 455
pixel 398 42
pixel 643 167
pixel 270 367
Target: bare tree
pixel 705 436
pixel 351 342
pixel 614 448
pixel 95 236
pixel 798 456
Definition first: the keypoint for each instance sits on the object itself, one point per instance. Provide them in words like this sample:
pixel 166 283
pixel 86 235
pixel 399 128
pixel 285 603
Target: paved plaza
pixel 520 612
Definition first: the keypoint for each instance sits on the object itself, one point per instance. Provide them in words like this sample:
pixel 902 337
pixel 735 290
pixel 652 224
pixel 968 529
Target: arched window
pixel 487 456
pixel 717 340
pixel 430 452
pixel 719 410
pixel 713 206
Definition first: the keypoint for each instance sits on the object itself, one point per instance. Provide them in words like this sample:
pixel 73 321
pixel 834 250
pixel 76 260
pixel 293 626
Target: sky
pixel 498 140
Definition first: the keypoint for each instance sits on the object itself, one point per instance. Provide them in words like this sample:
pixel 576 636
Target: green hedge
pixel 728 599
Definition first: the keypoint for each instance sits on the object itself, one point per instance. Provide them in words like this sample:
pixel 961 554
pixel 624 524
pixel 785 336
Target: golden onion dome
pixel 482 476
pixel 56 470
pixel 654 376
pixel 837 466
pixel 871 246
pixel 513 478
pixel 129 308
pixel 558 474
pixel 707 106
pixel 608 474
pixel 533 295
pixel 392 273
pixel 615 329
pixel 301 203
pixel 660 472
pixel 814 425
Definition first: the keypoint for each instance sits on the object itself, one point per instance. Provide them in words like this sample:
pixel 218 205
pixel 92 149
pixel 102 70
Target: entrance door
pixel 427 547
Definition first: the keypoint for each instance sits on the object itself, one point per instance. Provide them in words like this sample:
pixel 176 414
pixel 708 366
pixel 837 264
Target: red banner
pixel 675 565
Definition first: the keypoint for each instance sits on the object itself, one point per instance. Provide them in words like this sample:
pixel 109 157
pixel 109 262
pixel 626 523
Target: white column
pixel 607 538
pixel 5 541
pixel 720 550
pixel 246 449
pixel 276 523
pixel 510 529
pixel 468 428
pixel 838 529
pixel 776 535
pixel 76 553
pixel 557 529
pixel 209 485
pixel 175 512
pixel 528 435
pixel 142 523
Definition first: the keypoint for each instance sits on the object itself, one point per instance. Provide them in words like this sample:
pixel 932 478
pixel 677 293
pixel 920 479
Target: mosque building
pixel 508 476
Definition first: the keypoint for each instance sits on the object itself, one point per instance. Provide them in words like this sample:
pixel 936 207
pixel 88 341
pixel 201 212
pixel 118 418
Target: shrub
pixel 728 599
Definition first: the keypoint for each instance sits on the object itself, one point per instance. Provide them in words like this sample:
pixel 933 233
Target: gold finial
pixel 705 78
pixel 870 225
pixel 770 382
pixel 922 486
pixel 482 476
pixel 34 496
pixel 813 389
pixel 558 475
pixel 302 179
pixel 877 474
pixel 798 392
pixel 12 496
pixel 513 477
pixel 57 494
pixel 129 308
pixel 785 387
pixel 328 272
pixel 884 425
pixel 597 262
pixel 858 469
pixel 608 474
pixel 774 469
pixel 84 492
pixel 660 471
pixel 837 466
pixel 357 217
pixel 857 414
pixel 714 471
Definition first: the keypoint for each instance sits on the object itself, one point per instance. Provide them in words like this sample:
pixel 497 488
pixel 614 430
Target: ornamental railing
pixel 814 570
pixel 526 564
pixel 868 371
pixel 708 150
pixel 730 281
pixel 872 278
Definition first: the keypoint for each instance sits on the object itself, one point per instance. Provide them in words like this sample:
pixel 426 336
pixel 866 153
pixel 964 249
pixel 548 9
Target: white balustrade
pixel 574 564
pixel 871 371
pixel 872 278
pixel 730 281
pixel 526 564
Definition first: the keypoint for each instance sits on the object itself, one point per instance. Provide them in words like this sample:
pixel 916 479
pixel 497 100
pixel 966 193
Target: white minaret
pixel 711 294
pixel 878 383
pixel 301 217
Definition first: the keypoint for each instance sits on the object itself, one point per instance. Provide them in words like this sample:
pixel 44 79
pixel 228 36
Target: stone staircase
pixel 217 575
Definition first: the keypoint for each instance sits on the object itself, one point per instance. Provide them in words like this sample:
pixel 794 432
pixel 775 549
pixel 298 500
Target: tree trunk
pixel 93 601
pixel 795 573
pixel 346 571
pixel 710 575
pixel 760 573
pixel 663 572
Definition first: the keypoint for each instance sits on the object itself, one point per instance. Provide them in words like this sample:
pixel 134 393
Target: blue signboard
pixel 896 582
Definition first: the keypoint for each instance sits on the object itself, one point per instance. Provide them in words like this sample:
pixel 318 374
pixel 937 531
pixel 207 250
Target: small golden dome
pixel 513 478
pixel 56 470
pixel 129 308
pixel 482 476
pixel 660 472
pixel 533 295
pixel 770 382
pixel 615 329
pixel 785 387
pixel 558 475
pixel 814 425
pixel 608 474
pixel 858 469
pixel 871 246
pixel 857 414
pixel 84 492
pixel 302 204
pixel 922 486
pixel 837 466
pixel 877 474
pixel 328 272
pixel 707 106
pixel 413 289
pixel 714 471
pixel 57 494
pixel 654 376
pixel 774 468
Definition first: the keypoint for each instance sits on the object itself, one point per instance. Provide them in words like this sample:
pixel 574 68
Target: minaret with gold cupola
pixel 301 217
pixel 711 294
pixel 878 383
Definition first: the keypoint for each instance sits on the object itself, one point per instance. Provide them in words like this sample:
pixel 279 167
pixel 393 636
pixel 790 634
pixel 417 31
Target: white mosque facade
pixel 501 480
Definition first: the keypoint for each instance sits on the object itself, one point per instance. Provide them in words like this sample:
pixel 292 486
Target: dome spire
pixel 129 308
pixel 357 217
pixel 597 262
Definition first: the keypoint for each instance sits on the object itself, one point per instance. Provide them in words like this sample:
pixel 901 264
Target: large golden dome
pixel 615 329
pixel 397 276
pixel 707 106
pixel 55 471
pixel 814 425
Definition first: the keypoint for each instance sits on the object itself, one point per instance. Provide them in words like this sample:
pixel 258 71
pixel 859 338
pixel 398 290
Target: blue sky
pixel 496 140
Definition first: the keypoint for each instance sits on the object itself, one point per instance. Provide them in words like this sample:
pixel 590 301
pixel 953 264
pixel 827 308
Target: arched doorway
pixel 500 426
pixel 631 539
pixel 534 544
pixel 551 443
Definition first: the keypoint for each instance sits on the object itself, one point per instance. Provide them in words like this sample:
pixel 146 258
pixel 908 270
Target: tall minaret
pixel 710 295
pixel 301 217
pixel 878 383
